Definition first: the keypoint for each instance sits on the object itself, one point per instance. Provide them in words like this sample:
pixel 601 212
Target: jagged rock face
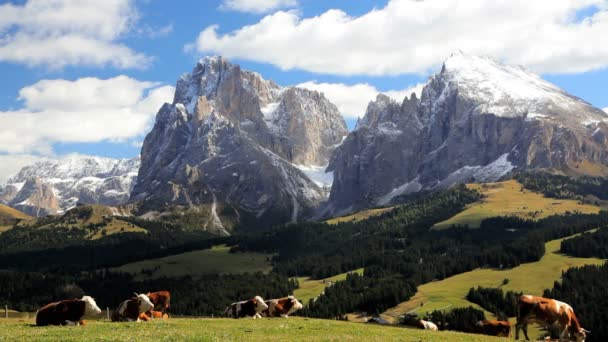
pixel 231 138
pixel 477 120
pixel 36 198
pixel 54 186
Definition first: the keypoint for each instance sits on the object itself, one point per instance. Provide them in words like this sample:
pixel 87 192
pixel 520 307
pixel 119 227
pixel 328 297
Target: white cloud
pixel 56 33
pixel 410 36
pixel 352 100
pixel 256 6
pixel 606 109
pixel 11 164
pixel 85 110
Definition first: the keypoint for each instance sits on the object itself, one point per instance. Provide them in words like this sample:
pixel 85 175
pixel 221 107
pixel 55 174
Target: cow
pixel 282 307
pixel 494 328
pixel 426 325
pixel 160 299
pixel 547 312
pixel 132 309
pixel 247 308
pixel 67 312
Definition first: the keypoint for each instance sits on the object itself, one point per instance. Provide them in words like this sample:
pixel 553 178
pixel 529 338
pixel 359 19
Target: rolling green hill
pixel 312 288
pixel 509 198
pixel 531 278
pixel 189 329
pixel 217 260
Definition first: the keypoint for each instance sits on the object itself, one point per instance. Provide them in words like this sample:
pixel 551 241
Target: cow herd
pixel 141 307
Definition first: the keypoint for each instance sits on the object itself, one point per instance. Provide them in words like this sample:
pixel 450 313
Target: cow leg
pixel 284 315
pixel 517 327
pixel 525 330
pixel 564 331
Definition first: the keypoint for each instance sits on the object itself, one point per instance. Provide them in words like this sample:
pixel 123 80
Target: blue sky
pixel 58 56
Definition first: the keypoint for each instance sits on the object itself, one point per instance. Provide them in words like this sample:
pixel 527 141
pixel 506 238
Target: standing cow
pixel 161 301
pixel 494 328
pixel 67 312
pixel 133 309
pixel 546 312
pixel 282 307
pixel 247 308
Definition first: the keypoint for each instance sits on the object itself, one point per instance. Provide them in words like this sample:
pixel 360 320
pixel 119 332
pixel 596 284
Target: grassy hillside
pixel 312 288
pixel 217 260
pixel 510 198
pixel 532 278
pixel 359 216
pixel 97 220
pixel 187 329
pixel 8 217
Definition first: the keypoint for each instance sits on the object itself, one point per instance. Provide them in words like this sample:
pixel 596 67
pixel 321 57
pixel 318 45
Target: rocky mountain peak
pixel 53 186
pixel 232 143
pixel 477 120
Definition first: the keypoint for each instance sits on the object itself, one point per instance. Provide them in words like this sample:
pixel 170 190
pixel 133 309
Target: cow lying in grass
pixel 67 312
pixel 282 307
pixel 132 309
pixel 247 308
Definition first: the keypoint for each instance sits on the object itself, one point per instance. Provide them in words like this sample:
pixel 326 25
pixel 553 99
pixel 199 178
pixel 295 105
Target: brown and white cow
pixel 494 328
pixel 282 307
pixel 546 312
pixel 160 299
pixel 247 308
pixel 65 312
pixel 132 309
pixel 426 325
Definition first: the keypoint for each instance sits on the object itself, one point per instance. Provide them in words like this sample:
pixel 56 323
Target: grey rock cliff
pixel 477 120
pixel 228 144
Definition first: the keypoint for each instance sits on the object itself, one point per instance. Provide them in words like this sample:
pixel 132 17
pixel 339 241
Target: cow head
pixel 581 334
pixel 90 307
pixel 259 304
pixel 144 302
pixel 295 305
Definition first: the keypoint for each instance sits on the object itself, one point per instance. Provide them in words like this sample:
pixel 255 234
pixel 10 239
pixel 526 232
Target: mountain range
pixel 240 149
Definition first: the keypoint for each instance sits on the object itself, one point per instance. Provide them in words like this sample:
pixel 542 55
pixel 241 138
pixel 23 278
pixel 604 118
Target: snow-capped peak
pixel 512 91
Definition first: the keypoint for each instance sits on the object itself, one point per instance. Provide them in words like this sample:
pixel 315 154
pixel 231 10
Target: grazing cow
pixel 494 328
pixel 132 309
pixel 546 312
pixel 426 325
pixel 66 312
pixel 247 308
pixel 282 307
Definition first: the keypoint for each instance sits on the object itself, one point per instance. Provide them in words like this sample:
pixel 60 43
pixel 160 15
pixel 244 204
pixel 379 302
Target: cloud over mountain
pixel 84 110
pixel 409 36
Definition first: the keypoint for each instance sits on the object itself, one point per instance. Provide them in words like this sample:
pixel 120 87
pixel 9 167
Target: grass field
pixel 510 199
pixel 531 278
pixel 359 216
pixel 189 329
pixel 312 288
pixel 207 261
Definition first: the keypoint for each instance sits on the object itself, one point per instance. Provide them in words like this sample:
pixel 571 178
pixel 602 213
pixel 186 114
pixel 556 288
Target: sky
pixel 87 77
